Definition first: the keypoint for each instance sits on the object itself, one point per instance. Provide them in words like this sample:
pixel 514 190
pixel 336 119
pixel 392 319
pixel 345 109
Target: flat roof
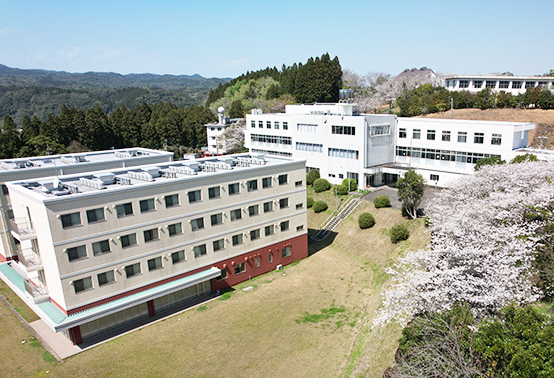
pixel 99 182
pixel 528 125
pixel 61 161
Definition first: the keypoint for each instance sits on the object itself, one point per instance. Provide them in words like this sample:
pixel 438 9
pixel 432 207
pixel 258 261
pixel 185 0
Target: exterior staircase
pixel 335 221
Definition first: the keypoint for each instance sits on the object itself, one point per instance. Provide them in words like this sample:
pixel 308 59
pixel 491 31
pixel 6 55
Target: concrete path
pixel 62 346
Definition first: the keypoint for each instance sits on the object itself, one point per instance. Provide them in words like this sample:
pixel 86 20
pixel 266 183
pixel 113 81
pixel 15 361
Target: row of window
pixel 343 130
pixel 129 240
pixel 148 205
pixel 310 147
pixel 347 154
pixel 478 138
pixel 502 84
pixel 427 153
pixel 108 277
pixel 271 139
pixel 268 125
pixel 270 152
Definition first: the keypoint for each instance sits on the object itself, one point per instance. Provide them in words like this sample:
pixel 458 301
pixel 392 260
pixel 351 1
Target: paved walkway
pixel 62 346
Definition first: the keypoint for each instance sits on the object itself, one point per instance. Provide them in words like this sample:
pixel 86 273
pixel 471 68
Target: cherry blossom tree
pixel 485 231
pixel 232 139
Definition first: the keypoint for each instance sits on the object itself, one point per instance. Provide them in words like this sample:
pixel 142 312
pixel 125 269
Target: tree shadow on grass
pixel 316 246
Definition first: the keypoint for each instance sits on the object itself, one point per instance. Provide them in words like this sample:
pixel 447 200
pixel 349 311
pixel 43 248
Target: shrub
pixel 312 176
pixel 341 190
pixel 320 206
pixel 309 202
pixel 398 233
pixel 353 184
pixel 366 220
pixel 381 201
pixel 321 185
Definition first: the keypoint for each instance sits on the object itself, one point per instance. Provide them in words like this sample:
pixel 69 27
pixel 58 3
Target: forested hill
pixel 89 80
pixel 40 92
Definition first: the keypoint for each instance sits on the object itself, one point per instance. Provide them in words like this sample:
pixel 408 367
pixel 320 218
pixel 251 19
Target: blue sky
pixel 227 38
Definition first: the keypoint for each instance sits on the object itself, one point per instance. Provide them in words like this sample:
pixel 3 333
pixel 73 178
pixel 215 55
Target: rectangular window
pixel 252 185
pixel 269 230
pixel 285 125
pixel 417 134
pixel 283 179
pixel 253 210
pixel 268 124
pixel 477 84
pixel 95 215
pixel 5 190
pixel 343 130
pixel 199 250
pixel 219 245
pixel 237 239
pixel 234 188
pixel 77 253
pixel 197 224
pixel 478 138
pixel 380 130
pixel 347 154
pixel 236 214
pixel 430 134
pixel 223 275
pixel 266 182
pixel 462 137
pixel 299 206
pixel 496 139
pixel 283 203
pixel 463 84
pixel 276 125
pixel 172 200
pixel 446 136
pixel 268 206
pixel 517 84
pixel 195 196
pixel 178 256
pixel 298 183
pixel 503 84
pixel 434 177
pixel 261 124
pixel 124 210
pixel 257 262
pixel 255 234
pixel 284 225
pixel 216 219
pixel 285 252
pixel 132 270
pixel 70 220
pixel 147 205
pixel 214 192
pixel 491 84
pixel 253 124
pixel 270 257
pixel 151 235
pixel 105 278
pixel 10 214
pixel 402 133
pixel 154 264
pixel 128 240
pixel 174 229
pixel 82 284
pixel 531 84
pixel 240 268
pixel 101 247
pixel 299 228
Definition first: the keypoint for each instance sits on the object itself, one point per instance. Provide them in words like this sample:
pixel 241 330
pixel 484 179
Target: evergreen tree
pixel 237 110
pixel 10 140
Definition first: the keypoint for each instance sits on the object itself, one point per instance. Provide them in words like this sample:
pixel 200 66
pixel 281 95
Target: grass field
pixel 313 319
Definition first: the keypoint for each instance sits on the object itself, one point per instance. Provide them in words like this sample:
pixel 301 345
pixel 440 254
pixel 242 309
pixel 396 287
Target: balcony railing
pixel 30 258
pixel 22 228
pixel 37 291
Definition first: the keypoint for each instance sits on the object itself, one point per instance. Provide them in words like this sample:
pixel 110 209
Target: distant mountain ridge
pixel 102 80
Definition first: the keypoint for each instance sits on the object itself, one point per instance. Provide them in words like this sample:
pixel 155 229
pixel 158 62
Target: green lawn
pixel 313 319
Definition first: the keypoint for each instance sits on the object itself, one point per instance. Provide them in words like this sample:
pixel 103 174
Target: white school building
pixel 510 84
pixel 375 149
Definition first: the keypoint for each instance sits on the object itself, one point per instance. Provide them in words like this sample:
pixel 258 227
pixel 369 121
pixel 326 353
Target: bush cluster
pixel 309 202
pixel 341 190
pixel 321 185
pixel 312 176
pixel 320 206
pixel 366 220
pixel 353 184
pixel 381 201
pixel 399 232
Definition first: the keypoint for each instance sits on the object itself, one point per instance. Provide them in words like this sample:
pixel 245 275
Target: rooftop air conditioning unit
pixel 279 267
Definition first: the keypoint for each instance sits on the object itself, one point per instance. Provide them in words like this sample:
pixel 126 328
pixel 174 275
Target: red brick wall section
pixel 75 335
pixel 299 250
pixel 151 308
